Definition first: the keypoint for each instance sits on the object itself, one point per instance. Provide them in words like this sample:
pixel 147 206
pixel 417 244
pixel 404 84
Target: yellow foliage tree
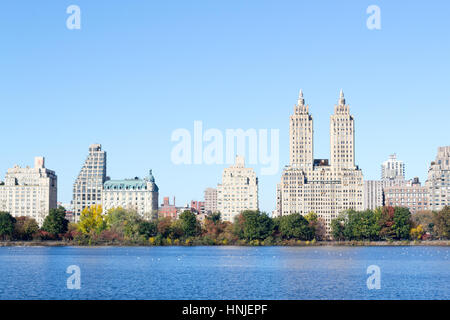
pixel 92 219
pixel 417 233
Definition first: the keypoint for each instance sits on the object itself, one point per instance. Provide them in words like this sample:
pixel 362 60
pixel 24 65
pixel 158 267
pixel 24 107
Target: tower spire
pixel 300 101
pixel 341 98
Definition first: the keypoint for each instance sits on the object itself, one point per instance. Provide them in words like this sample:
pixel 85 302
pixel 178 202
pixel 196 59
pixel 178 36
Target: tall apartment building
pixel 210 200
pixel 325 187
pixel 373 194
pixel 87 189
pixel 137 194
pixel 392 169
pixel 238 191
pixel 413 196
pixel 438 182
pixel 30 192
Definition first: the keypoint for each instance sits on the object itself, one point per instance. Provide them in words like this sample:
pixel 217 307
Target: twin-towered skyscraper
pixel 326 187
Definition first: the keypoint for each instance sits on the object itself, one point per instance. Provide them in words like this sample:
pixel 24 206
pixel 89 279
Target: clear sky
pixel 138 70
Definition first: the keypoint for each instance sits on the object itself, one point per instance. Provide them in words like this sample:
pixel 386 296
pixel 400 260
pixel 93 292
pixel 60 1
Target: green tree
pixel 147 229
pixel 295 226
pixel 214 217
pixel 6 225
pixel 253 225
pixel 24 228
pixel 362 225
pixel 177 229
pixel 402 223
pixel 124 222
pixel 442 223
pixel 55 222
pixel 338 227
pixel 189 223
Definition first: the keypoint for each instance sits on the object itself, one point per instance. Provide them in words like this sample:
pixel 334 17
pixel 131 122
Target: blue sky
pixel 138 70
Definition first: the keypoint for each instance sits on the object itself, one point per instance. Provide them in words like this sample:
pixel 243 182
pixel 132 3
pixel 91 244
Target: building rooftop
pixel 131 184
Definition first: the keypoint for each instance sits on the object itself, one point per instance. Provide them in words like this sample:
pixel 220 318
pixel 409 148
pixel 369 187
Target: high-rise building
pixel 210 200
pixel 342 136
pixel 393 169
pixel 308 184
pixel 438 182
pixel 29 192
pixel 412 196
pixel 87 189
pixel 137 194
pixel 238 191
pixel 373 194
pixel 301 147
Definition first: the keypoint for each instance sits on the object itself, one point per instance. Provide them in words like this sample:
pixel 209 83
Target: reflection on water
pixel 224 272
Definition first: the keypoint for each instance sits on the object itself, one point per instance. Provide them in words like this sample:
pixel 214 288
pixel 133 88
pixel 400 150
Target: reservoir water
pixel 406 272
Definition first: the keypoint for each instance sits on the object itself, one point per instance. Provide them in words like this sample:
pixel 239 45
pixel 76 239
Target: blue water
pixel 225 272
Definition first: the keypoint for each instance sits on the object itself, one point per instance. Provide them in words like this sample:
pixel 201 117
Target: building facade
pixel 167 210
pixel 198 207
pixel 393 169
pixel 324 187
pixel 88 187
pixel 238 191
pixel 210 200
pixel 29 192
pixel 373 194
pixel 136 194
pixel 374 191
pixel 414 196
pixel 438 182
pixel 392 174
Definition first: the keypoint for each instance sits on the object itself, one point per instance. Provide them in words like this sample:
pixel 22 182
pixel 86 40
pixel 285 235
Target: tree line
pixel 392 223
pixel 125 227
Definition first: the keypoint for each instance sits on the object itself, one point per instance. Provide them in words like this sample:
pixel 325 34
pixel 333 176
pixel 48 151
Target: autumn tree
pixel 385 219
pixel 317 224
pixel 424 218
pixel 442 223
pixel 24 228
pixel 164 226
pixel 213 226
pixel 417 232
pixel 214 217
pixel 92 220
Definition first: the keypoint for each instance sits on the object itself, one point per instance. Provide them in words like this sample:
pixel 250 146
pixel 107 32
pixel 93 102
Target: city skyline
pixel 224 166
pixel 128 82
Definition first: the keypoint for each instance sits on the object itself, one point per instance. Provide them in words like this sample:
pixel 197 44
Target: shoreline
pixel 432 243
